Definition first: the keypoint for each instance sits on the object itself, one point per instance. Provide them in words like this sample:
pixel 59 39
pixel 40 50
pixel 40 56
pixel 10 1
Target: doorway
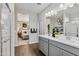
pixel 22 29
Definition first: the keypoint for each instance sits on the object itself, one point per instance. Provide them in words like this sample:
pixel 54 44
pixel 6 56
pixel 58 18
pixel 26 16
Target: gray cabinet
pixel 67 53
pixel 54 51
pixel 54 48
pixel 43 45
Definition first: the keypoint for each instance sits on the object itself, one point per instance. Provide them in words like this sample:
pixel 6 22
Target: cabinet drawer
pixel 66 53
pixel 68 48
pixel 54 51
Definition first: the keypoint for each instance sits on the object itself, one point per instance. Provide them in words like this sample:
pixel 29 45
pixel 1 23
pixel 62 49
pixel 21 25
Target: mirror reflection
pixel 63 20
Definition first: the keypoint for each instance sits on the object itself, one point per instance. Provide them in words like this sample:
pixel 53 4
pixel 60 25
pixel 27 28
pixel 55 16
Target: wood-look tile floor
pixel 20 42
pixel 28 50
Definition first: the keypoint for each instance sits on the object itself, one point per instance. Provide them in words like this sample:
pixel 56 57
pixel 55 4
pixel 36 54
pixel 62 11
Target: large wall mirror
pixel 63 21
pixel 55 22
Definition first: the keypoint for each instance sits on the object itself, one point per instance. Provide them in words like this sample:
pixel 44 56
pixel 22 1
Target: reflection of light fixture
pixel 52 11
pixel 71 5
pixel 55 12
pixel 65 6
pixel 46 14
pixel 61 5
pixel 49 12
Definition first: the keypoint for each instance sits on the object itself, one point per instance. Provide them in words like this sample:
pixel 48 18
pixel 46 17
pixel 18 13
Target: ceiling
pixel 30 7
pixel 73 11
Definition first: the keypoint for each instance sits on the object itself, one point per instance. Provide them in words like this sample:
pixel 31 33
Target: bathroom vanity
pixel 59 46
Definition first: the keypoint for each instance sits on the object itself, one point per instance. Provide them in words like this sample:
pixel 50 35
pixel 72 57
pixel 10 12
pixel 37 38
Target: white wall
pixel 34 23
pixel 70 27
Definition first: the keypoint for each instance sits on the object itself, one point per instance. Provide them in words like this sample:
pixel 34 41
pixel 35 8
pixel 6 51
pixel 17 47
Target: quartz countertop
pixel 71 41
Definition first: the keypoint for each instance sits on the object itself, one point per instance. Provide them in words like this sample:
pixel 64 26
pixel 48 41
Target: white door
pixel 5 27
pixel 33 37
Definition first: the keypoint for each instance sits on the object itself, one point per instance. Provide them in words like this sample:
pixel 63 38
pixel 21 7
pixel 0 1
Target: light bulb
pixel 48 12
pixel 61 6
pixel 71 5
pixel 52 11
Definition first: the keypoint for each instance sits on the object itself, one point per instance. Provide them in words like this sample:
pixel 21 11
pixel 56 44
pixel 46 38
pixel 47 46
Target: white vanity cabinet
pixel 60 49
pixel 43 45
pixel 54 51
pixel 51 47
pixel 66 53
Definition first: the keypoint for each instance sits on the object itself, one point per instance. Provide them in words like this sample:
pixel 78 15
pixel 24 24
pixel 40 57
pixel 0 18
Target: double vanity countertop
pixel 71 41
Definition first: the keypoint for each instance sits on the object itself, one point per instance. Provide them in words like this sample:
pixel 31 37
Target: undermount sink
pixel 67 38
pixel 74 39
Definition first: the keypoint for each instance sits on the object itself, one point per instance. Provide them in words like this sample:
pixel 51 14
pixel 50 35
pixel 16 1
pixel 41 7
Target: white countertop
pixel 71 41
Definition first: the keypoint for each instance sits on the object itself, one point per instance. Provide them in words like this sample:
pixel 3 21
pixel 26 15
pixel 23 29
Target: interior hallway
pixel 28 50
pixel 22 42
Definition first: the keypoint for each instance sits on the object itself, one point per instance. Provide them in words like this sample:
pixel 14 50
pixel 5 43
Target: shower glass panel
pixel 5 29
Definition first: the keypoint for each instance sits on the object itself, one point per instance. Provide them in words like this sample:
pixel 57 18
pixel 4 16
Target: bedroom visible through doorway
pixel 22 29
